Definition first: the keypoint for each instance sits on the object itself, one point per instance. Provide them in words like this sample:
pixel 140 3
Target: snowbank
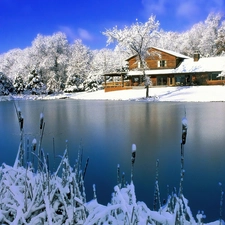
pixel 180 94
pixel 172 94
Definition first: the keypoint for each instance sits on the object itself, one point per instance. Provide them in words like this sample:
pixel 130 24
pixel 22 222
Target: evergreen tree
pixel 19 84
pixel 6 86
pixel 35 86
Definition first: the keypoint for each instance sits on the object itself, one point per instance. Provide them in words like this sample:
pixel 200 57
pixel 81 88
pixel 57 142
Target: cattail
pixel 157 192
pixel 184 130
pixel 21 122
pixel 94 190
pixel 85 168
pixel 183 141
pixel 20 118
pixel 28 148
pixel 133 155
pixel 47 159
pixel 221 201
pixel 41 120
pixel 118 175
pixel 123 180
pixel 34 144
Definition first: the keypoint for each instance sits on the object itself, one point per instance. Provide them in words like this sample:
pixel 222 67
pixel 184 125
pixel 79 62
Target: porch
pixel 117 85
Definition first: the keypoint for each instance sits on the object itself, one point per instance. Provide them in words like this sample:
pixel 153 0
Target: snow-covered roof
pixel 210 64
pixel 150 72
pixel 179 55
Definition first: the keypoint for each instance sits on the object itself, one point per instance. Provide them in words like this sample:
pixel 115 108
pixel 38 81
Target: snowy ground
pixel 192 94
pixel 180 94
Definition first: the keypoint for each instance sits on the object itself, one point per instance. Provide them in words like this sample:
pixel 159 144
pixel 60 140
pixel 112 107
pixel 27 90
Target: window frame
pixel 162 63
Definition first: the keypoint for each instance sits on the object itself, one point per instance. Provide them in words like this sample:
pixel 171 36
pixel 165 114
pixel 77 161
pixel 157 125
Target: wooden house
pixel 170 68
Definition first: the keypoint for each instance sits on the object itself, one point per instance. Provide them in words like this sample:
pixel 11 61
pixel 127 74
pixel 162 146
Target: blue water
pixel 106 130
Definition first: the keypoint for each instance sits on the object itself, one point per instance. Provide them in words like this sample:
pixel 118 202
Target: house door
pixel 162 80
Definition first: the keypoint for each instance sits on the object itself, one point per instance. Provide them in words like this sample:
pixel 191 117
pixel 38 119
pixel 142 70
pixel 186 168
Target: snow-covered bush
pixel 91 85
pixel 35 85
pixel 74 83
pixel 54 86
pixel 19 84
pixel 93 82
pixel 6 86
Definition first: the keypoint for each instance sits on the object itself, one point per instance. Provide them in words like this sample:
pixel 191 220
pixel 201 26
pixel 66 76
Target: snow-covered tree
pixel 107 60
pixel 166 40
pixel 6 86
pixel 19 84
pixel 50 56
pixel 191 39
pixel 53 85
pixel 104 61
pixel 220 41
pixel 78 66
pixel 12 62
pixel 135 39
pixel 209 35
pixel 35 84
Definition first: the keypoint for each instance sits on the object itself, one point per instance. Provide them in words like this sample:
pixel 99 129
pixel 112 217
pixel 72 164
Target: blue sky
pixel 22 20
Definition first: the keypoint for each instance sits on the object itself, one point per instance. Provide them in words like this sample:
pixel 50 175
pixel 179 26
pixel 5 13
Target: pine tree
pixel 19 84
pixel 6 86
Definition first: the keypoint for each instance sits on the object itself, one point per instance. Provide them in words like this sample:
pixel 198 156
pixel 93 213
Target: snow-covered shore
pixel 173 94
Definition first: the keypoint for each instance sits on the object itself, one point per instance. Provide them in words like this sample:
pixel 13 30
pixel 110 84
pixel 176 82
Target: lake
pixel 106 130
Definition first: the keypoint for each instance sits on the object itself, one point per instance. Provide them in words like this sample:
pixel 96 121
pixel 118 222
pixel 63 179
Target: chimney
pixel 196 56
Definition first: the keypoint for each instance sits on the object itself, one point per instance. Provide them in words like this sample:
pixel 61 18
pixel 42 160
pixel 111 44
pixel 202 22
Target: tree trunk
pixel 146 83
pixel 147 91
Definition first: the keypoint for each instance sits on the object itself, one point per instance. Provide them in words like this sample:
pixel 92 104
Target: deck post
pixel 173 81
pixel 122 79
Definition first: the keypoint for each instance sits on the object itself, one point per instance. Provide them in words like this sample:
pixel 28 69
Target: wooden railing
pixel 117 83
pixel 215 82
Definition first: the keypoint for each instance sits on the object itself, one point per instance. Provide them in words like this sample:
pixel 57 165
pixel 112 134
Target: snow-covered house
pixel 170 68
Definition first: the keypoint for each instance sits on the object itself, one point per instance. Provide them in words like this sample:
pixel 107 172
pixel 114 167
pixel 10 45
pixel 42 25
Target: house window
pixel 162 63
pixel 213 76
pixel 139 64
pixel 161 80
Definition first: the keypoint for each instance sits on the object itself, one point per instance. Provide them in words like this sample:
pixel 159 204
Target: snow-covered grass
pixel 186 94
pixel 179 94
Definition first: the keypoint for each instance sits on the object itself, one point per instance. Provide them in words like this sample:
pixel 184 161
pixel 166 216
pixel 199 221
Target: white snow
pixel 134 148
pixel 212 64
pixel 162 94
pixel 180 94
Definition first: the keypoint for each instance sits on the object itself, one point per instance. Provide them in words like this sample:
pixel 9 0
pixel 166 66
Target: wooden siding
pixel 133 63
pixel 156 55
pixel 119 88
pixel 117 83
pixel 152 60
pixel 215 82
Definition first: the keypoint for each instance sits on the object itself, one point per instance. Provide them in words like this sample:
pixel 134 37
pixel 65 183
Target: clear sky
pixel 22 20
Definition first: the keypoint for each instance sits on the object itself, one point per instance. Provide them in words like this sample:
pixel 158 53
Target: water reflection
pixel 106 131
